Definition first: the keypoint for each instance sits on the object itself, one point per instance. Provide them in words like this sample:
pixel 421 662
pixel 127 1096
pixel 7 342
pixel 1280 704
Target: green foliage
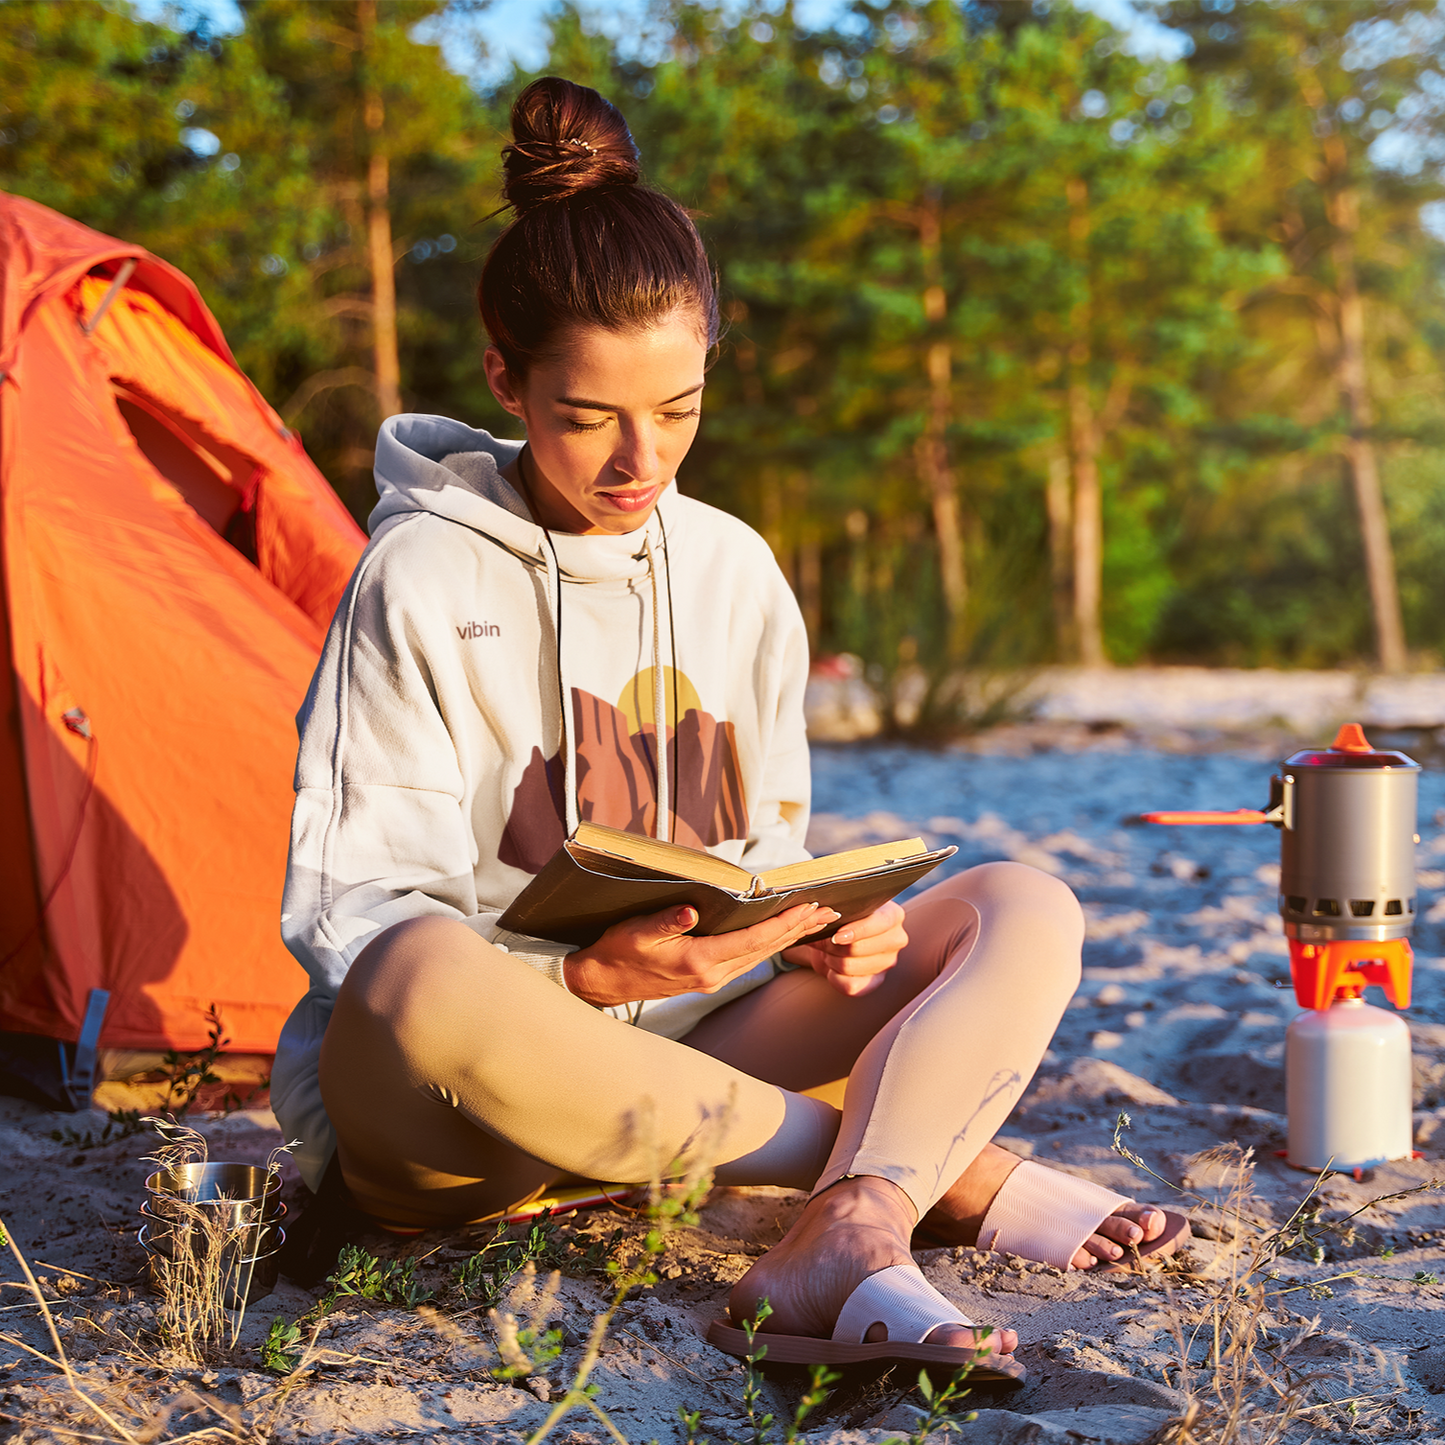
pixel 282 1348
pixel 761 1426
pixel 185 1073
pixel 941 1405
pixel 985 235
pixel 363 1276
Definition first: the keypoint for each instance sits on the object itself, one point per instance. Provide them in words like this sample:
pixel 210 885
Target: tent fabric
pixel 169 561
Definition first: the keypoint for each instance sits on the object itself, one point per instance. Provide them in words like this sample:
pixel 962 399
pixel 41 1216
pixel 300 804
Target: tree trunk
pixel 386 361
pixel 1059 504
pixel 810 587
pixel 1359 448
pixel 1084 442
pixel 934 469
pixel 937 474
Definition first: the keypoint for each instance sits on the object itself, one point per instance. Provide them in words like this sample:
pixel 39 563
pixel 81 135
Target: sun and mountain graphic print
pixel 617 774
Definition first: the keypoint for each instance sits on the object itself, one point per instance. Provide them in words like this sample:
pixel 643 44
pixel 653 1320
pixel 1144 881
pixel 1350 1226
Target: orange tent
pixel 169 561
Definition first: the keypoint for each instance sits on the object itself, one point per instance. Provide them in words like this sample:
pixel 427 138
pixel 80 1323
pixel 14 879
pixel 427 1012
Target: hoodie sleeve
pixel 377 833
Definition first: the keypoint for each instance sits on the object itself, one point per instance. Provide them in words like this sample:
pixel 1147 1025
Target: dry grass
pixel 1252 1371
pixel 202 1283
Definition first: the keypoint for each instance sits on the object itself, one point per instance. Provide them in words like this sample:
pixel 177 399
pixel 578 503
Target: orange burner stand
pixel 1324 971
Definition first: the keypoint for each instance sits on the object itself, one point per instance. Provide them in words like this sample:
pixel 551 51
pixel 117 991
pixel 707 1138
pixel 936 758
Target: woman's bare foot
pixel 847 1233
pixel 958 1216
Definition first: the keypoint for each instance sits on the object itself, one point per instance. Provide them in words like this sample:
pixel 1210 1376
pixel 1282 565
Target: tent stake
pixel 127 269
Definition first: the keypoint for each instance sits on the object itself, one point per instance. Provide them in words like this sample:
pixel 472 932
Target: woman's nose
pixel 637 456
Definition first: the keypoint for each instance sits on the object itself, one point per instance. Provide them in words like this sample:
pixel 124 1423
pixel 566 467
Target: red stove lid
pixel 1351 749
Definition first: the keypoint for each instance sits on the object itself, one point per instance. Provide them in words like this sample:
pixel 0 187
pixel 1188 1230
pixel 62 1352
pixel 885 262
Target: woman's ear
pixel 500 381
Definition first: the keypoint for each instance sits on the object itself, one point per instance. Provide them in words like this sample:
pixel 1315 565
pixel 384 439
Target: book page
pixel 671 859
pixel 841 865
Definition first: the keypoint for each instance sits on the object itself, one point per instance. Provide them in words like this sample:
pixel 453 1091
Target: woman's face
pixel 609 420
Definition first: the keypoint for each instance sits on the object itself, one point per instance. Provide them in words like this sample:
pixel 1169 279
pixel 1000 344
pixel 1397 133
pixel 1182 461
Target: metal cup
pixel 243 1199
pixel 233 1186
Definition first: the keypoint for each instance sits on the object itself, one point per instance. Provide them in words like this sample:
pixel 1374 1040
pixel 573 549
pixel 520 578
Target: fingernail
pixel 846 936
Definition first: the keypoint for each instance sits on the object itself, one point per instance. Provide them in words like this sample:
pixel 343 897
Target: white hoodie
pixel 434 774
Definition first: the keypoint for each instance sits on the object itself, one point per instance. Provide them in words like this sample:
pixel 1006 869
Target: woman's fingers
pixel 856 958
pixel 881 931
pixel 772 935
pixel 670 923
pixel 723 957
pixel 654 956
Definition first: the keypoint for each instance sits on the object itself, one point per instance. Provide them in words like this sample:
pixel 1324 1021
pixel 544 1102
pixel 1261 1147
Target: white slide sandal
pixel 1046 1215
pixel 908 1307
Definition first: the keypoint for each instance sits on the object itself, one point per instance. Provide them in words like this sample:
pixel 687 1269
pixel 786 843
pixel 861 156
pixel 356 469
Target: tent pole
pixel 127 269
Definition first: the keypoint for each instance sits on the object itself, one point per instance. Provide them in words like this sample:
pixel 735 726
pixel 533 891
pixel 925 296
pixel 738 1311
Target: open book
pixel 600 876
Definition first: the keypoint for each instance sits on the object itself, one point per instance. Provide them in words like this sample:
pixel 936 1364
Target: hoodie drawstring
pixel 663 829
pixel 569 740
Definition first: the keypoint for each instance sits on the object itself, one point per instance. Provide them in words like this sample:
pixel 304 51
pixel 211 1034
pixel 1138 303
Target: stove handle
pixel 1281 801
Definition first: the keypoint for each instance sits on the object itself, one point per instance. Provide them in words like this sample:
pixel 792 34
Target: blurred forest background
pixel 1036 351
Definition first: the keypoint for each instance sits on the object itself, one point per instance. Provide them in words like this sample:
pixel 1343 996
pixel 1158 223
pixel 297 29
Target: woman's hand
pixel 652 956
pixel 855 959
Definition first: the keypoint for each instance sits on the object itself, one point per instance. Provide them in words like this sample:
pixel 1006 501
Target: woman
pixel 526 624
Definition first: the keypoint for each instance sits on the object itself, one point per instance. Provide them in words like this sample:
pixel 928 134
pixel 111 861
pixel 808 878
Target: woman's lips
pixel 632 501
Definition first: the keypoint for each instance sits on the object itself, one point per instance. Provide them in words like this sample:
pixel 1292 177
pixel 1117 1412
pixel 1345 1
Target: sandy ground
pixel 1179 1023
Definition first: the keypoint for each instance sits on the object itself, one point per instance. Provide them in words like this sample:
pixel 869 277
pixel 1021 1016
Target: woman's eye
pixel 585 425
pixel 680 415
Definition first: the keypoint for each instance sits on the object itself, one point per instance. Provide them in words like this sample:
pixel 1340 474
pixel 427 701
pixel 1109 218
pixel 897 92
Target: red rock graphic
pixel 617 784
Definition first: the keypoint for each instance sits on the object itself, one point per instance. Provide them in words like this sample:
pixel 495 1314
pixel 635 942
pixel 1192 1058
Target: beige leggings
pixel 460 1081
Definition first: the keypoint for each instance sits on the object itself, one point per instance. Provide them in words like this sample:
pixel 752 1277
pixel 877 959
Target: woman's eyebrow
pixel 583 404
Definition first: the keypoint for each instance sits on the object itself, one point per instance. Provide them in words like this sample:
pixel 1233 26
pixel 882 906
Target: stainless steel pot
pixel 1347 844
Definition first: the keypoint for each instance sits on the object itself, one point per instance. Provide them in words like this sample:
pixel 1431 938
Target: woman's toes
pixel 1118 1234
pixel 1152 1221
pixel 1133 1225
pixel 1118 1230
pixel 1094 1249
pixel 959 1337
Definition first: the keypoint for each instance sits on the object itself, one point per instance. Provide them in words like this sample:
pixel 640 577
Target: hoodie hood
pixel 411 477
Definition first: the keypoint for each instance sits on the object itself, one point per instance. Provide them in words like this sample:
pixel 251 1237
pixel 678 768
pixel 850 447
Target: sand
pixel 1179 1024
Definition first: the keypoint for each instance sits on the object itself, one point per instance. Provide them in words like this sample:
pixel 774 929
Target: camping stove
pixel 1347 817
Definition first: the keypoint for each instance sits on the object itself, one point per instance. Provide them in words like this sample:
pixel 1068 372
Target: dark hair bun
pixel 565 138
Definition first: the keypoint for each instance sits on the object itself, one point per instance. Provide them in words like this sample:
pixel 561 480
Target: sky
pixel 516 30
